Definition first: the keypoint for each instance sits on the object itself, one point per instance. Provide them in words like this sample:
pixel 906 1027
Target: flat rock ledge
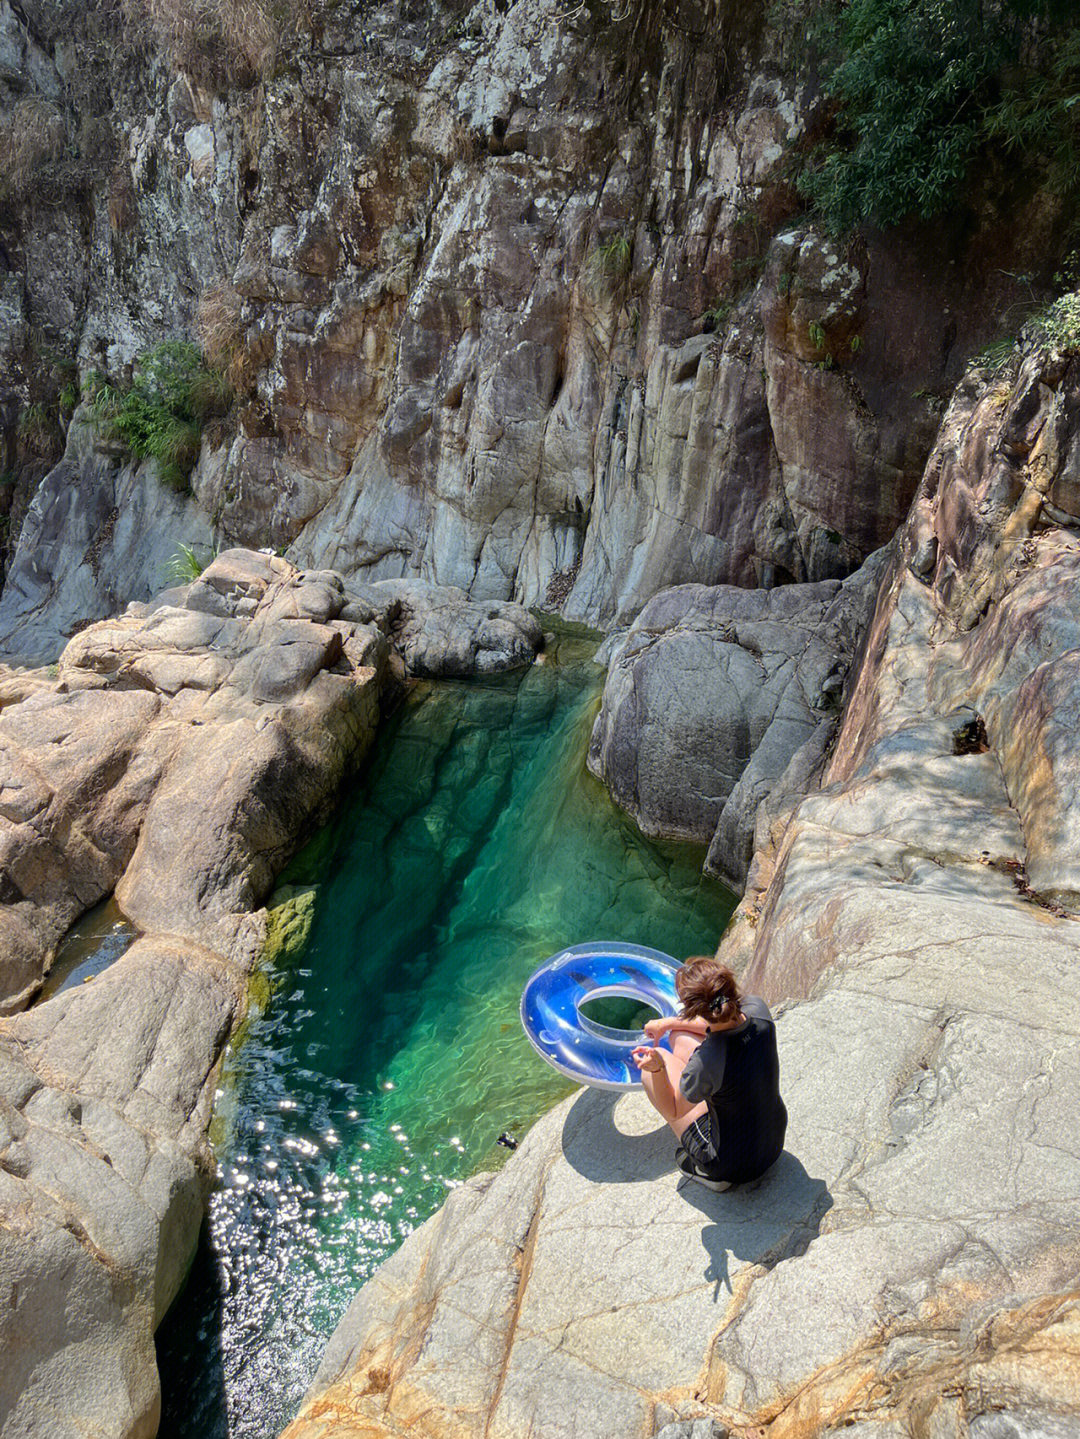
pixel 174 756
pixel 910 1268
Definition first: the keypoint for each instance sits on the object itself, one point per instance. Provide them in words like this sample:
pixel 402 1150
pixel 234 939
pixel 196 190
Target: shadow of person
pixel 774 1218
pixel 612 1139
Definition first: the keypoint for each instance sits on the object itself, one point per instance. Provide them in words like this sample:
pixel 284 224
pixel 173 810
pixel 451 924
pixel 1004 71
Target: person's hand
pixel 656 1028
pixel 647 1060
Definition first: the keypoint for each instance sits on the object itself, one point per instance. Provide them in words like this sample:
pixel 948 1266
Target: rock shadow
pixel 191 1353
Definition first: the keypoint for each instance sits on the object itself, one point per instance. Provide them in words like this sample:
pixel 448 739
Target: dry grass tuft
pixel 31 136
pixel 222 41
pixel 222 337
pixel 464 142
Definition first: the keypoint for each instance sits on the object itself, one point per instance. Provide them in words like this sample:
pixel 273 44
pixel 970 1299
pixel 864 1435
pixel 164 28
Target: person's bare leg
pixel 662 1086
pixel 683 1046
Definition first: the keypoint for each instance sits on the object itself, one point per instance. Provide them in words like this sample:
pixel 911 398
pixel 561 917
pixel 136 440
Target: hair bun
pixel 706 988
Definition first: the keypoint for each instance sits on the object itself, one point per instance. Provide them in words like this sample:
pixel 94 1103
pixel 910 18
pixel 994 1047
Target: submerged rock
pixel 910 1266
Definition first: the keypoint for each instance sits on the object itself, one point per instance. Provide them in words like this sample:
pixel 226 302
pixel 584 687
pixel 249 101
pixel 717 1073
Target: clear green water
pixel 389 1056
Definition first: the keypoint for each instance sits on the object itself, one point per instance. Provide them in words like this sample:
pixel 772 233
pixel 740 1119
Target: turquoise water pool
pixel 388 1057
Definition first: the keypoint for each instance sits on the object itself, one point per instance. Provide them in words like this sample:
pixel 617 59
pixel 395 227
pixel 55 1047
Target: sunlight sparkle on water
pixel 389 1055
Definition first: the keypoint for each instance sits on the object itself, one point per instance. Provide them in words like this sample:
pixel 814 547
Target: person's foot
pixel 717 1185
pixel 691 1171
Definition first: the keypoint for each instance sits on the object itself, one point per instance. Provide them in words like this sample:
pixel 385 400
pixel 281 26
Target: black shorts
pixel 696 1141
pixel 716 1162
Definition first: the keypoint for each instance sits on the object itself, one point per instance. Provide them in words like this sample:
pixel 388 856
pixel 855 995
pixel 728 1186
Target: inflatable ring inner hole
pixel 607 992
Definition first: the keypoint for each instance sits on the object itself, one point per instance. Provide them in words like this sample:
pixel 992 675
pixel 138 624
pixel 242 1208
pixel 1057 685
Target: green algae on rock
pixel 289 917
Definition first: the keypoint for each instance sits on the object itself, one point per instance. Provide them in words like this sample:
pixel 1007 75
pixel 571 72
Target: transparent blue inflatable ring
pixel 577 1046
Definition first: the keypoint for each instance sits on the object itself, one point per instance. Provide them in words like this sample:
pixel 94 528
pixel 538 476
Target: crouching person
pixel 719 1088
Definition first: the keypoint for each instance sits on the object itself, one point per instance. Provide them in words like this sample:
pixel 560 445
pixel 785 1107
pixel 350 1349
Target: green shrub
pixel 1059 324
pixel 185 565
pixel 1038 115
pixel 611 259
pixel 919 87
pixel 162 412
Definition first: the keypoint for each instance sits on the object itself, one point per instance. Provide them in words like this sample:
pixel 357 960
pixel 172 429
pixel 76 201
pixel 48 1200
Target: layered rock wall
pixel 508 297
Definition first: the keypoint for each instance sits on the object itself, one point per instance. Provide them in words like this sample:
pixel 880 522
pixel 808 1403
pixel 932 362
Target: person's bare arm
pixel 657 1028
pixel 660 1078
pixel 658 1086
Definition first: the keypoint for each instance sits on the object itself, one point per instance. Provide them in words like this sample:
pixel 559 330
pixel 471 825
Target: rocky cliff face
pixel 510 298
pixel 910 1267
pixel 719 699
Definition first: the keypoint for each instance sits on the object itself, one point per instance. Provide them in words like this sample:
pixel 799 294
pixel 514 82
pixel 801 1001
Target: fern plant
pixel 717 316
pixel 162 412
